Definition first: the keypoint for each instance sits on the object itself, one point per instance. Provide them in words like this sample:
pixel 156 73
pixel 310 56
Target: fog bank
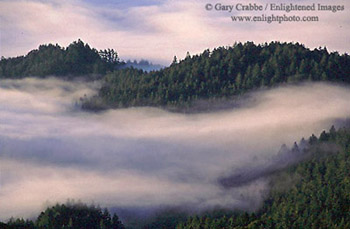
pixel 146 157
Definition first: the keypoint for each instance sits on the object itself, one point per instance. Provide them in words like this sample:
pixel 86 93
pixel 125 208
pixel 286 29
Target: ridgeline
pixel 221 73
pixel 77 59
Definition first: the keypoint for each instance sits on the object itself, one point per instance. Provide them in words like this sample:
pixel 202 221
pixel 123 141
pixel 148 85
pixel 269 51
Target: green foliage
pixel 72 215
pixel 222 72
pixel 19 223
pixel 319 199
pixel 69 215
pixel 167 218
pixel 77 59
pixel 4 226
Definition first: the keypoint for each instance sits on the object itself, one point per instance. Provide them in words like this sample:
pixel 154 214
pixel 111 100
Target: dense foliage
pixel 319 197
pixel 70 215
pixel 220 73
pixel 77 59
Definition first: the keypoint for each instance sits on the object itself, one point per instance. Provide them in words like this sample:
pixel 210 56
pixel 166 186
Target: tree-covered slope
pixel 222 72
pixel 225 71
pixel 77 59
pixel 319 196
pixel 70 215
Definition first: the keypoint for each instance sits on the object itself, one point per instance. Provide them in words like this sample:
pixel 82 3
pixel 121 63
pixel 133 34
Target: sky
pixel 158 30
pixel 148 158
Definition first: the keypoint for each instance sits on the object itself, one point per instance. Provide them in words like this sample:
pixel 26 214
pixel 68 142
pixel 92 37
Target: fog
pixel 51 151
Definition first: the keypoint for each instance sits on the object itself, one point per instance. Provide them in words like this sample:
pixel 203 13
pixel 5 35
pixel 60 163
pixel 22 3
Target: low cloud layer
pixel 146 157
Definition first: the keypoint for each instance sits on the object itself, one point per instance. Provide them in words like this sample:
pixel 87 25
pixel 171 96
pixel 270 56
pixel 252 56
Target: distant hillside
pixel 77 59
pixel 223 72
pixel 143 65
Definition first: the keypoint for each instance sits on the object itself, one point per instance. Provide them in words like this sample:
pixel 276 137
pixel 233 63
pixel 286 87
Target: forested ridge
pixel 222 72
pixel 53 60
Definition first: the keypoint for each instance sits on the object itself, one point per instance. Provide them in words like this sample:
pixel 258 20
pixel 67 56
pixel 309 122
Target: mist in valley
pixel 145 157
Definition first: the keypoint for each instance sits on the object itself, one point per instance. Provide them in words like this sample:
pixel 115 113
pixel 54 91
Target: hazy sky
pixel 159 29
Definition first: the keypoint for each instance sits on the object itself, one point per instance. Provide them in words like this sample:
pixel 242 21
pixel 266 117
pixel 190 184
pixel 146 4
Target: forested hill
pixel 222 72
pixel 311 194
pixel 77 59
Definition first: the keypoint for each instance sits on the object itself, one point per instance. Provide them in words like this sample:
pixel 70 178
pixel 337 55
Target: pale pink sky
pixel 157 30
